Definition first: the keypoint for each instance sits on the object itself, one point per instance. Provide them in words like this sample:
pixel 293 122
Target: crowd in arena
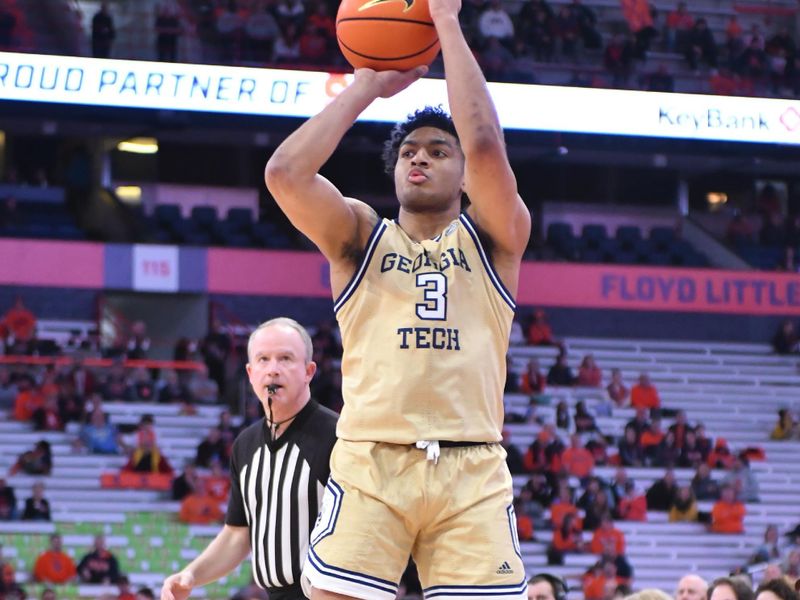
pixel 563 501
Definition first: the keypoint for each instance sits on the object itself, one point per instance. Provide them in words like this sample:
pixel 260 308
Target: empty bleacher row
pixel 626 246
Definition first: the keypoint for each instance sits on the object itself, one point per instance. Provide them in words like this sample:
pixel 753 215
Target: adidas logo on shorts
pixel 505 569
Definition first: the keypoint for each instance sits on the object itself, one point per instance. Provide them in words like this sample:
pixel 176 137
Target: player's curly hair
pixel 430 116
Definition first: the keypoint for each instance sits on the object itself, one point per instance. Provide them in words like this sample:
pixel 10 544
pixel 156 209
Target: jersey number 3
pixel 434 306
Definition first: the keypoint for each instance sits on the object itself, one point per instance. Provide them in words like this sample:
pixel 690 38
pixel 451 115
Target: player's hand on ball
pixel 389 83
pixel 177 586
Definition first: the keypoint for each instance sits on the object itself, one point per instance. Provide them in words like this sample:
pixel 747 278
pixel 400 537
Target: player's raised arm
pixel 312 203
pixel 489 181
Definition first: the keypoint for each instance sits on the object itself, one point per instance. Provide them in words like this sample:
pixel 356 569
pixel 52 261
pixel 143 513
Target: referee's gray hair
pixel 286 322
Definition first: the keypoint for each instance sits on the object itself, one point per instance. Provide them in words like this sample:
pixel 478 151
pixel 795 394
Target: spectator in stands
pixel 662 493
pixel 185 483
pixel 228 23
pixel 8 387
pixel 700 46
pixel 9 588
pixel 560 374
pixel 631 453
pixel 791 566
pixel 567 538
pixel 733 37
pixel 47 417
pixel 769 550
pixel 19 322
pixel 103 32
pixel 633 505
pixel 261 30
pixel 607 537
pixel 703 485
pixel 786 427
pixel 168 30
pixel 142 387
pixel 517 335
pixel 8 502
pixel 83 380
pixel 533 381
pixel 218 482
pixel 563 419
pixel 29 398
pixel 99 435
pixel 495 22
pixel 742 479
pixel 617 391
pixel 786 339
pixel 691 455
pixel 684 506
pixel 496 61
pixel 776 589
pixel 704 443
pixel 639 422
pixel 651 440
pixel 584 420
pixel 568 31
pixel 680 427
pixel 691 587
pixel 99 565
pixel 679 23
pixel 539 331
pixel 54 565
pixel 38 461
pixel 644 394
pixel 594 511
pixel 587 25
pixel 145 593
pixel 563 506
pixel 71 405
pixel 37 507
pixel 200 507
pixel 216 349
pixel 227 429
pixel 727 514
pixel 513 455
pixel 539 494
pixel 589 374
pixel 290 12
pixel 213 446
pixel 618 60
pixel 147 457
pixel 314 45
pixel 576 459
pixel 721 456
pixel 286 49
pixel 124 588
pixel 138 343
pixel 173 391
pixel 115 386
pixel 599 578
pixel 202 388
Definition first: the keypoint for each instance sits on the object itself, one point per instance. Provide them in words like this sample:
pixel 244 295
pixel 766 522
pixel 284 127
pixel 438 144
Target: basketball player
pixel 279 465
pixel 425 304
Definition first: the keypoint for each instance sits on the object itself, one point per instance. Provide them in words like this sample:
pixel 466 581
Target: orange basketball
pixel 386 34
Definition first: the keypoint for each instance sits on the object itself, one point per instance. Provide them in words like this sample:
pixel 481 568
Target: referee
pixel 279 467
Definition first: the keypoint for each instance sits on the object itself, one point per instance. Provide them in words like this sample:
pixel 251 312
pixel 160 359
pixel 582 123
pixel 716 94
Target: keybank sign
pixel 287 93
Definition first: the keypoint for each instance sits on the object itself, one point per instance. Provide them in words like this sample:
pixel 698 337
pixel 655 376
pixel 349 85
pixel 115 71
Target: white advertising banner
pixel 278 92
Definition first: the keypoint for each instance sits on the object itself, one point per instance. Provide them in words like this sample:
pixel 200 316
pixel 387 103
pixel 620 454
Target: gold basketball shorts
pixel 385 502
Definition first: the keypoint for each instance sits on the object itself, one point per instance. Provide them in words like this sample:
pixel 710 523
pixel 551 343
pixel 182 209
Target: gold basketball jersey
pixel 425 329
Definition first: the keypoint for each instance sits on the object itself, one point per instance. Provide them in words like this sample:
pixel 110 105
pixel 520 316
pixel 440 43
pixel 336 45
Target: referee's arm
pixel 221 556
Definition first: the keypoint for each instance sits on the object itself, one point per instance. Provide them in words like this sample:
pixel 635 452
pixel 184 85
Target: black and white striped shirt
pixel 276 491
